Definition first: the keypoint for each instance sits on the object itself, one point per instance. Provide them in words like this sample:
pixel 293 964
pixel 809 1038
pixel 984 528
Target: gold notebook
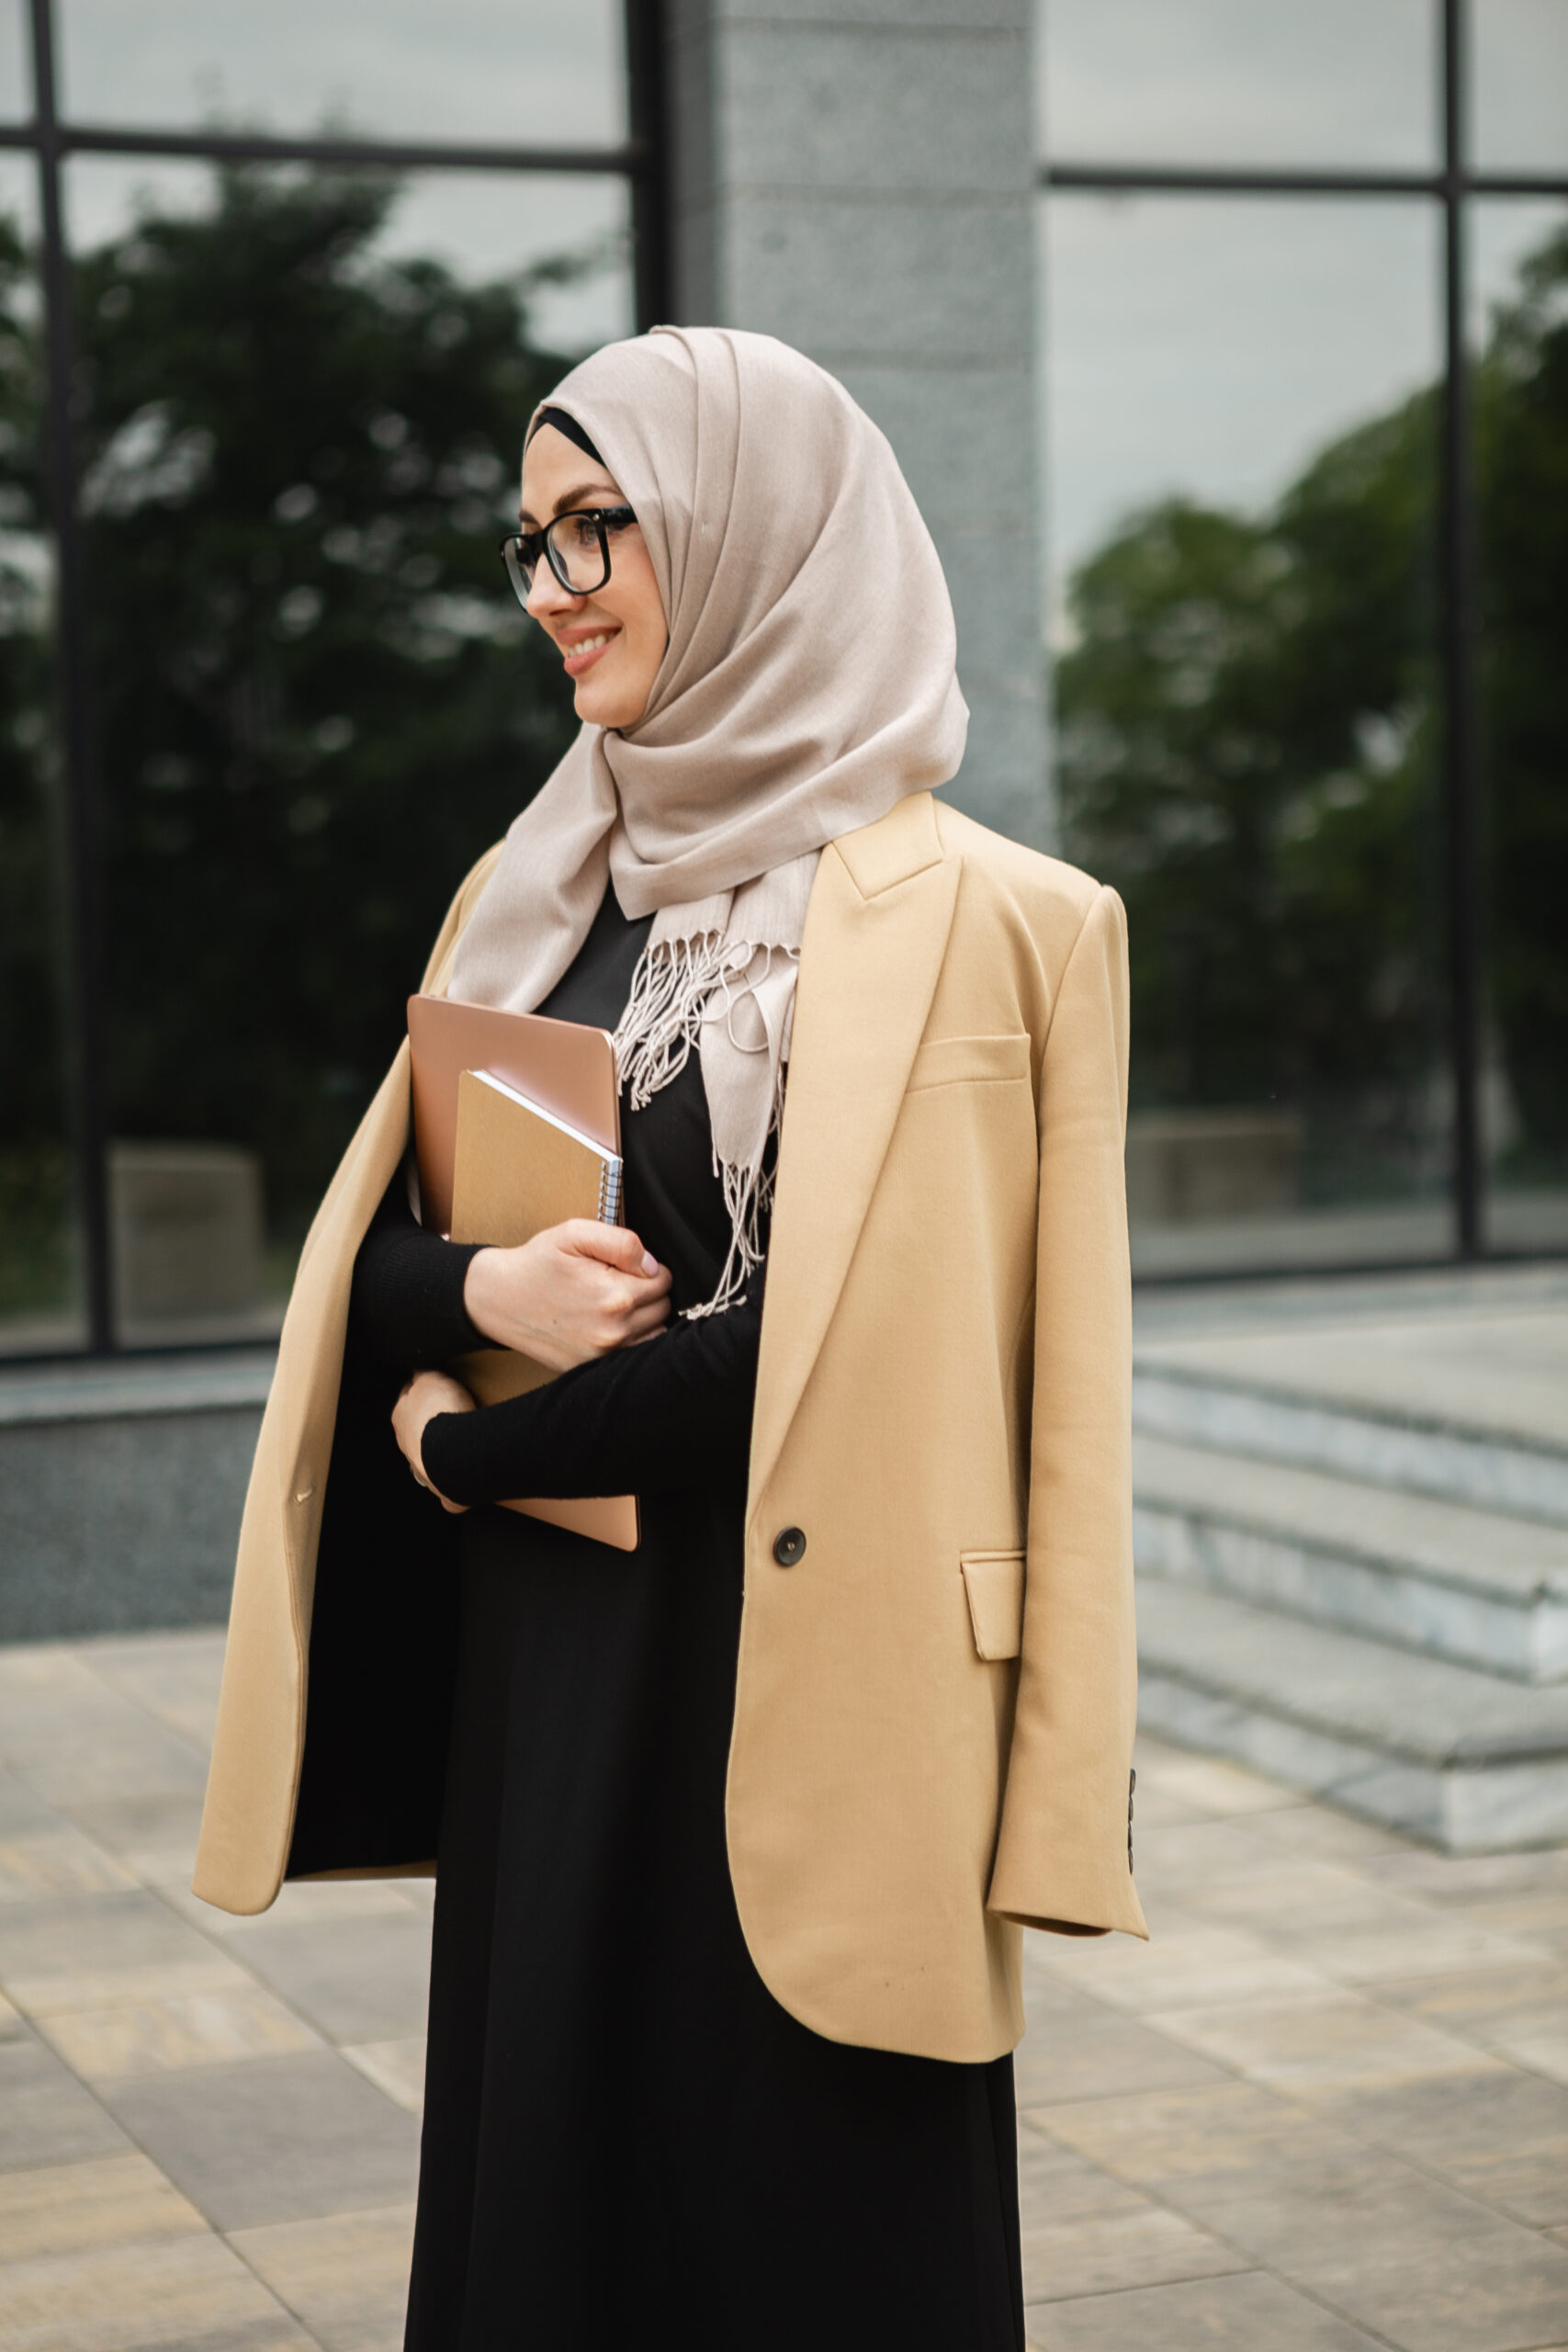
pixel 517 1169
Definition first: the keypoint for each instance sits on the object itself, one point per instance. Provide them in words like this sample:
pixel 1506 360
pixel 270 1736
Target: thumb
pixel 618 1246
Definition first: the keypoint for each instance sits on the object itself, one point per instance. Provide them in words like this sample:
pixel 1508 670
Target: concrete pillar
pixel 864 188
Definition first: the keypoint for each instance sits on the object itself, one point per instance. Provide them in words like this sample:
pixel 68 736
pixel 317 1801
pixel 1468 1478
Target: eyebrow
pixel 569 498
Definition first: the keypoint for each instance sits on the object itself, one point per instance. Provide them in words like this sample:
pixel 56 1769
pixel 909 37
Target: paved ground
pixel 1327 2109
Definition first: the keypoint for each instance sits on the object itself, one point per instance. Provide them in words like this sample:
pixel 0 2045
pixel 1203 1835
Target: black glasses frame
pixel 521 550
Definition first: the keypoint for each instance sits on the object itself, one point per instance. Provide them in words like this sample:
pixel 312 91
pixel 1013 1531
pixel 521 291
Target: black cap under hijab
pixel 571 427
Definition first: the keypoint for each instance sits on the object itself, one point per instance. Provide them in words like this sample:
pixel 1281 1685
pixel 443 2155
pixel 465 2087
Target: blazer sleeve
pixel 1064 1850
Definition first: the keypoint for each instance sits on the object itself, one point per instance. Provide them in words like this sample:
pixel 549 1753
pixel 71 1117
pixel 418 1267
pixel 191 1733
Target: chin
pixel 601 705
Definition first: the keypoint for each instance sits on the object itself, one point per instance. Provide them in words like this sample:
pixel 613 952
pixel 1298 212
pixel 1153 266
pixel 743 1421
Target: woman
pixel 736 1833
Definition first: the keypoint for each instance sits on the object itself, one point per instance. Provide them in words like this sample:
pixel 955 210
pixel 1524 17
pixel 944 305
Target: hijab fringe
pixel 672 992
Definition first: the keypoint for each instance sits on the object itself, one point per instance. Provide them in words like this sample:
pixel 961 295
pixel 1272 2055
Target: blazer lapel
pixel 875 933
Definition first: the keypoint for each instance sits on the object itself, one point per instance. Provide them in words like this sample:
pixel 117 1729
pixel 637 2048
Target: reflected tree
pixel 34 1259
pixel 1523 435
pixel 315 700
pixel 1248 748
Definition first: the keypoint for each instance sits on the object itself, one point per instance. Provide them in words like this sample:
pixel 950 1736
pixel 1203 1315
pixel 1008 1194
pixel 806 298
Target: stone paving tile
pixel 1431 2271
pixel 189 2294
pixel 185 2030
pixel 1478 2003
pixel 1540 1918
pixel 174 1676
pixel 1318 2046
pixel 1502 2137
pixel 1324 1836
pixel 1189 1964
pixel 1209 1784
pixel 93 1951
pixel 1087 2050
pixel 1249 2313
pixel 1174 2142
pixel 102 2201
pixel 154 1837
pixel 22 1810
pixel 1356 2226
pixel 1539 2042
pixel 1191 1860
pixel 72 1739
pixel 1086 2234
pixel 56 1861
pixel 273 2139
pixel 1473 1878
pixel 46 2116
pixel 345 2277
pixel 1327 2106
pixel 357 1979
pixel 396 2067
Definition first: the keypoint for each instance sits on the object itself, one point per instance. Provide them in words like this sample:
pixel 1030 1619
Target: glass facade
pixel 515 73
pixel 264 691
pixel 1307 452
pixel 275 299
pixel 40 1252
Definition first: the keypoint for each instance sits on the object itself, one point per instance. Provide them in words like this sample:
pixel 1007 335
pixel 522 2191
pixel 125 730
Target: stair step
pixel 1474 1763
pixel 1473 1585
pixel 1253 1403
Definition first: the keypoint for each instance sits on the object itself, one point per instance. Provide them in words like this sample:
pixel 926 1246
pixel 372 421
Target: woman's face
pixel 612 641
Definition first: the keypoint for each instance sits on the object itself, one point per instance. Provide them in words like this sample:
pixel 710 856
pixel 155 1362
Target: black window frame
pixel 639 160
pixel 1452 186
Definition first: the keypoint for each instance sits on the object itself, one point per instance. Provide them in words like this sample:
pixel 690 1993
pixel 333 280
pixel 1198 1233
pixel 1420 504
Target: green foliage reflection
pixel 1249 748
pixel 315 699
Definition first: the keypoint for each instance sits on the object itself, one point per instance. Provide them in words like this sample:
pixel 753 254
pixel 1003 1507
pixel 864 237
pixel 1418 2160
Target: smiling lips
pixel 586 651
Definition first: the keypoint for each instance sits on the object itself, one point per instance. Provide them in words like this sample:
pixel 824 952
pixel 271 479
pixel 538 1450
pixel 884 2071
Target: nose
pixel 546 594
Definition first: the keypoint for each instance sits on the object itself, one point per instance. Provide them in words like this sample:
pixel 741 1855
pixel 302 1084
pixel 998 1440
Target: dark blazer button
pixel 789 1545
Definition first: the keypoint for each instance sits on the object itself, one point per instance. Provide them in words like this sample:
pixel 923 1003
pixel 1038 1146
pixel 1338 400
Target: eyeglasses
pixel 576 544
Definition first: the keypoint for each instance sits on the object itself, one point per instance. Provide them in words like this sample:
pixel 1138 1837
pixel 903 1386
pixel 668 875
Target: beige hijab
pixel 808 684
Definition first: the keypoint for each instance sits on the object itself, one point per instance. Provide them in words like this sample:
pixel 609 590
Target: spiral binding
pixel 610 1192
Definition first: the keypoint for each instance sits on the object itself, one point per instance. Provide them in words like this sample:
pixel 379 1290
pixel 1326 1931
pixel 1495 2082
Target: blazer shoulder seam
pixel 1102 891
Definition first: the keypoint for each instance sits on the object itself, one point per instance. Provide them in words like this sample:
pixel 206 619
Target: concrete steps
pixel 1471 1761
pixel 1414 1452
pixel 1475 1587
pixel 1353 1568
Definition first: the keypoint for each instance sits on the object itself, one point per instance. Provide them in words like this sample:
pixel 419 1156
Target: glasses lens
pixel 577 553
pixel 518 569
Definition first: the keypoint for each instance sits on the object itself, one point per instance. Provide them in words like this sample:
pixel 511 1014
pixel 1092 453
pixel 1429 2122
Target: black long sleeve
pixel 407 1300
pixel 672 1413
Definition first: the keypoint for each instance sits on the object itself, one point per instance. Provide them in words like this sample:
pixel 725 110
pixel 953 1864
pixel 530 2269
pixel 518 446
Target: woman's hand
pixel 427 1393
pixel 574 1292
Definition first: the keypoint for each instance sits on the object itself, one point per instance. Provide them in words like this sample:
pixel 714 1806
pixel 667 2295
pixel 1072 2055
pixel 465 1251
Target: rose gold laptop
pixel 564 1068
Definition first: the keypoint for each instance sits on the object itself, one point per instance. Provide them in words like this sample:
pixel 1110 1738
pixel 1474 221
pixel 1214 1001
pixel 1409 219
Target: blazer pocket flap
pixel 952 1061
pixel 993 1581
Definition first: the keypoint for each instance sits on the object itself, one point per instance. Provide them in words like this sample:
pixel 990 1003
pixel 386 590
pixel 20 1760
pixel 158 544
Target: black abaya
pixel 622 2125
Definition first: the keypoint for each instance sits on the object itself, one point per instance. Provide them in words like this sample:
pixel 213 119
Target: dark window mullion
pixel 86 1065
pixel 1462 816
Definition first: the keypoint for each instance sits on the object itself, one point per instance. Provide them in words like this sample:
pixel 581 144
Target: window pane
pixel 1521 401
pixel 1519 84
pixel 1241 465
pixel 15 73
pixel 516 71
pixel 1227 82
pixel 41 1303
pixel 316 698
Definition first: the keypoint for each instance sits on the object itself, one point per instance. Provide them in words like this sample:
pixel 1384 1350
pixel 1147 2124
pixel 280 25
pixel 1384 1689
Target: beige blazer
pixel 935 1698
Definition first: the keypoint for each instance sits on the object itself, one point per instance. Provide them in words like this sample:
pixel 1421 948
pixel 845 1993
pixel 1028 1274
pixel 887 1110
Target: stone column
pixel 863 186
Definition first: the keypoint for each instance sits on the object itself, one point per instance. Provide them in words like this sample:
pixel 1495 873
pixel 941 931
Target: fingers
pixel 613 1245
pixel 645 1321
